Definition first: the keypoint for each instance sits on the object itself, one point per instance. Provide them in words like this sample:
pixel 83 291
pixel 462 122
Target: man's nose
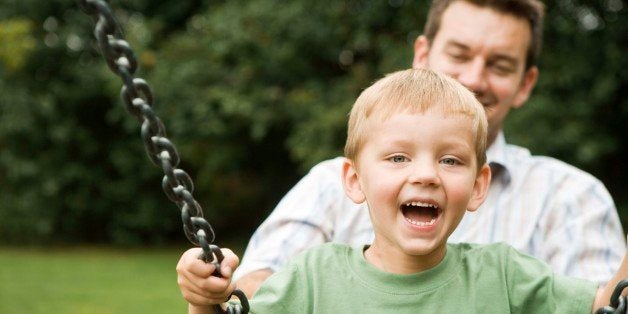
pixel 473 76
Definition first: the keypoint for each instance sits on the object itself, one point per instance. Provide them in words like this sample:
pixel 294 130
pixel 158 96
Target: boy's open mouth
pixel 420 213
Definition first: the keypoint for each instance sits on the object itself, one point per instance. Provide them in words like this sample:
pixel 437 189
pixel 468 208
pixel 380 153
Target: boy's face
pixel 485 51
pixel 418 175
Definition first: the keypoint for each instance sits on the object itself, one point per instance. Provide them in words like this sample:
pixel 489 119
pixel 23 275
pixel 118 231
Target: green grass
pixel 89 280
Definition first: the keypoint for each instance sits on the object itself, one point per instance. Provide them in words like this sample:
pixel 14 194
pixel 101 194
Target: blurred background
pixel 252 93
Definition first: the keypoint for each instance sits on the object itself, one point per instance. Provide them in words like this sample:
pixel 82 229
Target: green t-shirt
pixel 334 278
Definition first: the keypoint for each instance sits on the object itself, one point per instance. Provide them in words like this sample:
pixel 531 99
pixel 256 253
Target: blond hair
pixel 415 91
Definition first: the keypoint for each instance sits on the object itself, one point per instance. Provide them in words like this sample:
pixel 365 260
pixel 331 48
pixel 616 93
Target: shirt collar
pixel 497 157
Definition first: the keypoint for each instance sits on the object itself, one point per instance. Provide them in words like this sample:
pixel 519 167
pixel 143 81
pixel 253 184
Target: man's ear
pixel 351 182
pixel 527 85
pixel 421 50
pixel 480 188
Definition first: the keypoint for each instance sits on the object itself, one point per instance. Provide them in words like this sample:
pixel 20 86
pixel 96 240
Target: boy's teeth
pixel 421 204
pixel 421 223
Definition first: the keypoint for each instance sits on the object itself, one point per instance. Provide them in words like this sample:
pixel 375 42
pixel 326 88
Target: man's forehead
pixel 465 25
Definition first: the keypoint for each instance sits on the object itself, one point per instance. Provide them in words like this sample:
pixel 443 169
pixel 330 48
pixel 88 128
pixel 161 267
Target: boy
pixel 416 154
pixel 535 203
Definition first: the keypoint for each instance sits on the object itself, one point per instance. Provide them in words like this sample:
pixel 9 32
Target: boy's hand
pixel 196 283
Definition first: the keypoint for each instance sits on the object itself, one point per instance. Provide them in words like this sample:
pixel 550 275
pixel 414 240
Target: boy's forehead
pixel 431 118
pixel 385 112
pixel 429 127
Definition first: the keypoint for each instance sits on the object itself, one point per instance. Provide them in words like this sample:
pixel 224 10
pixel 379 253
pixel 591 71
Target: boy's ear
pixel 351 182
pixel 480 188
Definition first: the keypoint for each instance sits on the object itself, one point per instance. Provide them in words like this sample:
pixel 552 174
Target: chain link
pixel 138 99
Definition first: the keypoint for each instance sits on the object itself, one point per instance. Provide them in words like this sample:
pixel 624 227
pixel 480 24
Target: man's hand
pixel 196 283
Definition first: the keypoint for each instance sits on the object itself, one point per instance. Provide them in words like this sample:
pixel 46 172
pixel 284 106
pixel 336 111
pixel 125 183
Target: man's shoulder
pixel 521 157
pixel 324 176
pixel 329 166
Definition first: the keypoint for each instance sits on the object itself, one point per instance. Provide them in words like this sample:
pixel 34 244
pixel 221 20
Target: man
pixel 537 204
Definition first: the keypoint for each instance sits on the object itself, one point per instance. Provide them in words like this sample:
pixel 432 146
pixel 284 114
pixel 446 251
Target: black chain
pixel 137 97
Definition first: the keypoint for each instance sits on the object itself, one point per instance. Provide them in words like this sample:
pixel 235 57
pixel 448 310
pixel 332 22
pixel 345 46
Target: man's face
pixel 485 51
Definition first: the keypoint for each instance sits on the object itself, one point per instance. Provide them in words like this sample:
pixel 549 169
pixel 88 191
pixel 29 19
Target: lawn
pixel 89 280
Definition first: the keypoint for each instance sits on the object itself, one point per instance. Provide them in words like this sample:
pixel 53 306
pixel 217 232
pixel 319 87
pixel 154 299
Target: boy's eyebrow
pixel 446 142
pixel 456 142
pixel 460 146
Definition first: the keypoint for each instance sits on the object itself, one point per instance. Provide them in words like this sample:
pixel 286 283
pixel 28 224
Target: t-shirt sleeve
pixel 283 292
pixel 534 288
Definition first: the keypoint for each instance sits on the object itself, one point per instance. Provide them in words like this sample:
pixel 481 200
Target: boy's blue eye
pixel 449 161
pixel 397 158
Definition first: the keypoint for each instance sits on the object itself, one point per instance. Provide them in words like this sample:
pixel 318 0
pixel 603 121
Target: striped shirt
pixel 539 205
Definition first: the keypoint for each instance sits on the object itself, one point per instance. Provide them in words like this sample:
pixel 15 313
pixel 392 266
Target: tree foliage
pixel 253 93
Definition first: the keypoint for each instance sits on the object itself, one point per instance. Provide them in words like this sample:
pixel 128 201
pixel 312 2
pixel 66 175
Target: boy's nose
pixel 424 173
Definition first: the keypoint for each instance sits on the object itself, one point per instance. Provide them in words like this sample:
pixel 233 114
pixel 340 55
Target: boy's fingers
pixel 222 297
pixel 201 269
pixel 229 263
pixel 217 286
pixel 204 297
pixel 189 263
pixel 192 286
pixel 199 296
pixel 196 282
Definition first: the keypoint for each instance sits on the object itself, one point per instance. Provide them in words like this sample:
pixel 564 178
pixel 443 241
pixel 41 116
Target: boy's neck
pixel 392 260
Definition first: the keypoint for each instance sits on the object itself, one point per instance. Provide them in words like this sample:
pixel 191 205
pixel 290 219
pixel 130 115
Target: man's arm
pixel 251 282
pixel 306 216
pixel 583 212
pixel 604 294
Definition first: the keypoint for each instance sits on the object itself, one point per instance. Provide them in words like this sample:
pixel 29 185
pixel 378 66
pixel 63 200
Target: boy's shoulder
pixel 313 260
pixel 473 249
pixel 324 252
pixel 498 251
pixel 494 255
pixel 334 253
pixel 471 256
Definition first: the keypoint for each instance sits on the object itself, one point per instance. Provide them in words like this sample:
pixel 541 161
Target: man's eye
pixel 502 68
pixel 398 158
pixel 458 57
